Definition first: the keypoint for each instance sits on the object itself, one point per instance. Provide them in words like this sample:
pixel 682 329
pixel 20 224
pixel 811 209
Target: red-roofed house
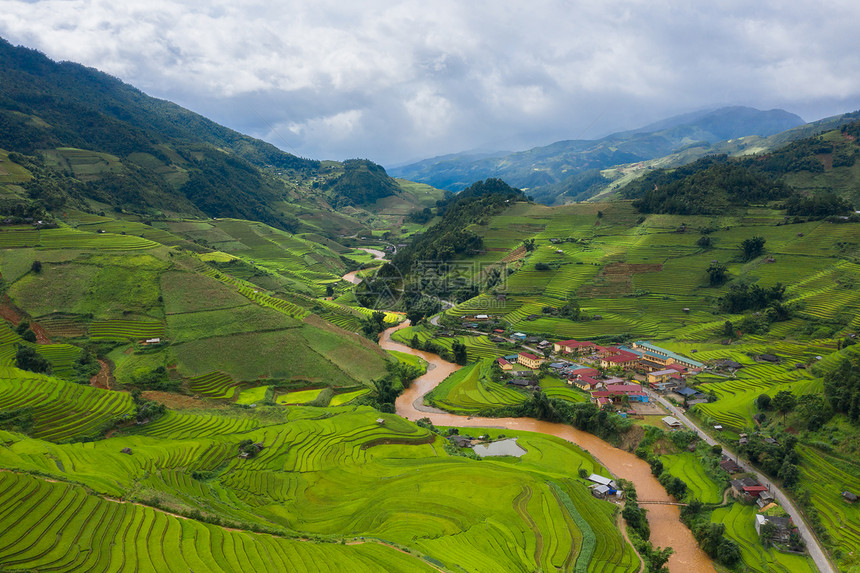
pixel 572 347
pixel 585 372
pixel 621 358
pixel 587 383
pixel 529 360
pixel 504 364
pixel 616 392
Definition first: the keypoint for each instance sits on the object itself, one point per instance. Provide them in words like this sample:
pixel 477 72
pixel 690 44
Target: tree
pixel 788 473
pixel 705 242
pixel 36 267
pixel 571 310
pixel 752 247
pixel 414 315
pixel 784 402
pixel 529 245
pixel 717 272
pixel 459 350
pixel 766 532
pixel 763 402
pixel 728 329
pixel 728 552
pixel 415 342
pixel 27 358
pixel 658 558
pixel 329 290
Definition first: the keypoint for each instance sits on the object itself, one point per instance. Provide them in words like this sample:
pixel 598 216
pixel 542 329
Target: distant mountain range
pixel 570 169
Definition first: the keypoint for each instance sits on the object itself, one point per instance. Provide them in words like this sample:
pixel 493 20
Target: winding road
pixel 812 545
pixel 666 527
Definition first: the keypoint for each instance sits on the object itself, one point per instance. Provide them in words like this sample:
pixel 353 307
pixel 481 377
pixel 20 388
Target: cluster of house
pixel 665 370
pixel 749 490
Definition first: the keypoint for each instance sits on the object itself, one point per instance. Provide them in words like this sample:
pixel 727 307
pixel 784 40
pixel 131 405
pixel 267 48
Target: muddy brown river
pixel 666 527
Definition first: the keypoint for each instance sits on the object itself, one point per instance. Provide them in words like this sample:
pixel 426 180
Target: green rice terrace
pixel 283 505
pixel 636 276
pixel 272 452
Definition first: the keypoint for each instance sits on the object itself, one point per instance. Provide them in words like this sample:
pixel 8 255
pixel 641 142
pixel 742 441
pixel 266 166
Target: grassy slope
pixel 124 287
pixel 395 476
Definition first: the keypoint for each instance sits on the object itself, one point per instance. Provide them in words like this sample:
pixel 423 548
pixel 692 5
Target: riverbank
pixel 666 527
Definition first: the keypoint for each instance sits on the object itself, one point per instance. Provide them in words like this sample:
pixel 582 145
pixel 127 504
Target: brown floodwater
pixel 666 527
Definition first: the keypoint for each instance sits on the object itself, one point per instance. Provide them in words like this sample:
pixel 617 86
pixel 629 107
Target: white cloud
pixel 394 80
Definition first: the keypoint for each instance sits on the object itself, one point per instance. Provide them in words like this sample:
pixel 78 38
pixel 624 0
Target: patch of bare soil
pixel 8 311
pixel 826 160
pixel 104 378
pixel 515 255
pixel 617 279
pixel 631 438
pixel 41 333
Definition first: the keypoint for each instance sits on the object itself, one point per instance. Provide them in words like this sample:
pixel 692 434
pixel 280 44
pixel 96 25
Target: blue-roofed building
pixel 653 352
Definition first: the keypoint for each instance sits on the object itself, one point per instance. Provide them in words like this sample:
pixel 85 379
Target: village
pixel 624 379
pixel 613 376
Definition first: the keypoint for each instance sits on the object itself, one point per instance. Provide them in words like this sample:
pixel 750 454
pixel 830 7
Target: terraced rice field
pixel 471 390
pixel 54 521
pixel 826 477
pixel 61 356
pixel 252 395
pixel 477 347
pixel 123 329
pixel 214 385
pixel 61 410
pixel 739 520
pixel 176 425
pixel 556 388
pixel 341 399
pixel 688 468
pixel 311 461
pixel 65 238
pixel 298 397
pixel 254 294
pixel 735 406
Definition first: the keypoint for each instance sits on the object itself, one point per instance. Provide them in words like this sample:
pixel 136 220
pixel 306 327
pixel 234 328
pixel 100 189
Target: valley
pixel 218 356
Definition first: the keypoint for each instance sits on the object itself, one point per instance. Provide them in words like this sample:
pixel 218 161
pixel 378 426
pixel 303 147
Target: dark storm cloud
pixel 400 80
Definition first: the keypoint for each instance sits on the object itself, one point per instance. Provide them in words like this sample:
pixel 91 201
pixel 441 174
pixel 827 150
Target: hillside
pixel 552 171
pixel 93 143
pixel 813 177
pixel 634 276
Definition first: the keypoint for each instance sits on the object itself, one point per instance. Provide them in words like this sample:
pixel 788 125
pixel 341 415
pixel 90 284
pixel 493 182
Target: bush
pixel 27 358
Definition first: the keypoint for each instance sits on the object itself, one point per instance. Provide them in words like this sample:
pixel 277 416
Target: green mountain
pixel 814 177
pixel 552 171
pixel 92 142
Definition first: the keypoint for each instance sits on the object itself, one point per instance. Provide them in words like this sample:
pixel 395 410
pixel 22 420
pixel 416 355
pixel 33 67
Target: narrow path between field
pixel 818 555
pixel 666 527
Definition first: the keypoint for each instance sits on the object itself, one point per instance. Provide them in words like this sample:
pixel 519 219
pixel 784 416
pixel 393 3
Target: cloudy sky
pixel 395 81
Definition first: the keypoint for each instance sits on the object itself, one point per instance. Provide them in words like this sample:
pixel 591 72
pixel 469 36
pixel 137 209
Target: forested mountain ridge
pixel 814 177
pixel 86 136
pixel 552 171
